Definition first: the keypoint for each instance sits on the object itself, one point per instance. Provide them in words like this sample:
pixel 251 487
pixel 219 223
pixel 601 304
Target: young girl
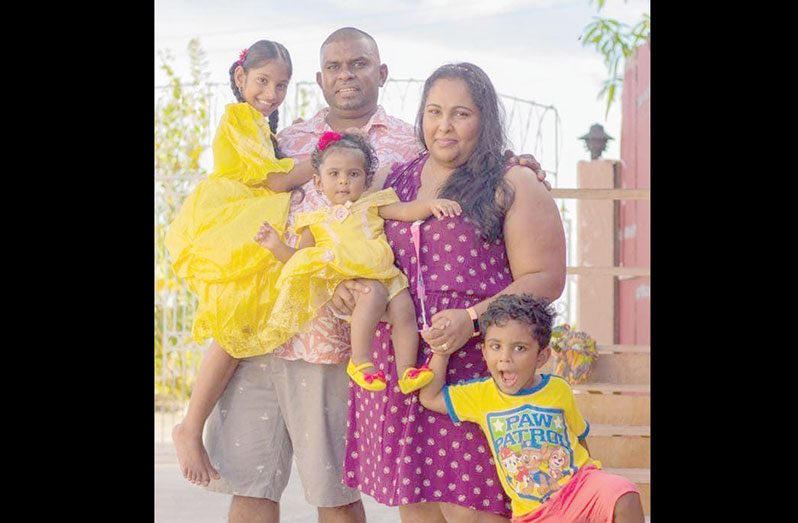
pixel 346 241
pixel 210 240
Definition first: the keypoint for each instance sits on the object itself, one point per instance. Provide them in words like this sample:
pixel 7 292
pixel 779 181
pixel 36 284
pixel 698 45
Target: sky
pixel 529 48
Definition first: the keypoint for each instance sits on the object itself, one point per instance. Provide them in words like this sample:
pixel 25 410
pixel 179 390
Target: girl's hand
pixel 343 300
pixel 443 208
pixel 451 329
pixel 268 237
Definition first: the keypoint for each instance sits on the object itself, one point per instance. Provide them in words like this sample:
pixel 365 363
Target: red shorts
pixel 590 496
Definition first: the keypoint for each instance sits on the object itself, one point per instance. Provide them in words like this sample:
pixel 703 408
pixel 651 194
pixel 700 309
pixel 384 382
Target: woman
pixel 509 240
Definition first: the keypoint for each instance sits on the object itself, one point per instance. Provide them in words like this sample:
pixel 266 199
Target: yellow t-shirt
pixel 533 435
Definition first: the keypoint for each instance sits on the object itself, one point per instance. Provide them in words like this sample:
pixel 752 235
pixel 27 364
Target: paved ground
pixel 178 501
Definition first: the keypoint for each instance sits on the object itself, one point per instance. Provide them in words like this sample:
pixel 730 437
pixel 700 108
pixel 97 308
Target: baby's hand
pixel 443 208
pixel 268 237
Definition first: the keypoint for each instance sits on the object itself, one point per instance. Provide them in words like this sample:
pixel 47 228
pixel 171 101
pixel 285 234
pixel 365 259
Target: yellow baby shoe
pixel 415 378
pixel 373 381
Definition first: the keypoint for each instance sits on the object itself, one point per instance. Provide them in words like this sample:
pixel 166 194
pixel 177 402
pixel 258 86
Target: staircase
pixel 617 403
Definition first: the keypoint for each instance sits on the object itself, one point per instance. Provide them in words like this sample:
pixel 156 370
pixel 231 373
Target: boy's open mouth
pixel 507 379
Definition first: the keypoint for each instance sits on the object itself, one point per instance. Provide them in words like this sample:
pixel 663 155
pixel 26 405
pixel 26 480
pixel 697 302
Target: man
pixel 295 399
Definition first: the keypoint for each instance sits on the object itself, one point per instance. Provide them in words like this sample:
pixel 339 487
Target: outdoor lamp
pixel 596 141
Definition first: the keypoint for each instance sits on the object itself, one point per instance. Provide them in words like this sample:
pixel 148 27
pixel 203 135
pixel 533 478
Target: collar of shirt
pixel 318 124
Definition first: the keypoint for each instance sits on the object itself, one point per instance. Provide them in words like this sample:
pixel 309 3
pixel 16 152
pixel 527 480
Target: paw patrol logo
pixel 532 447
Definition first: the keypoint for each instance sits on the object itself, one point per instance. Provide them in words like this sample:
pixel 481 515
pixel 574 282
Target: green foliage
pixel 182 120
pixel 304 95
pixel 614 41
pixel 182 116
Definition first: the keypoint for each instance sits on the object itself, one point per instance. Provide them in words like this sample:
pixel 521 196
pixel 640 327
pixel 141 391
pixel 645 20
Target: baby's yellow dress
pixel 211 240
pixel 350 243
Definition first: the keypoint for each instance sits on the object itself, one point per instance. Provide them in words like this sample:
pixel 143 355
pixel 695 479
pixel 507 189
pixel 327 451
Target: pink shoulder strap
pixel 415 236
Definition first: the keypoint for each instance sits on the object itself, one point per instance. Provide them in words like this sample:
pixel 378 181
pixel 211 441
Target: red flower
pixel 242 56
pixel 327 138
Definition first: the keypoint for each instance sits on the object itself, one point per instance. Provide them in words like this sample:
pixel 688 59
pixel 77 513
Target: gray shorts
pixel 272 409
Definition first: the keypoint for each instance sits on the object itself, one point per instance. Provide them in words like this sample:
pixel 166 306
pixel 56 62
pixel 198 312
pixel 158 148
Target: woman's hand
pixel 527 160
pixel 343 299
pixel 451 329
pixel 443 208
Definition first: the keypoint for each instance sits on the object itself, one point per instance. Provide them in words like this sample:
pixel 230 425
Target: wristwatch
pixel 474 318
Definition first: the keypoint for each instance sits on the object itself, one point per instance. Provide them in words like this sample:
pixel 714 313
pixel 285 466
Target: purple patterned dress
pixel 397 451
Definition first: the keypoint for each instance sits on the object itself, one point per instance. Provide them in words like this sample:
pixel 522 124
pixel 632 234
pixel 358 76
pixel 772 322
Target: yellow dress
pixel 350 243
pixel 211 239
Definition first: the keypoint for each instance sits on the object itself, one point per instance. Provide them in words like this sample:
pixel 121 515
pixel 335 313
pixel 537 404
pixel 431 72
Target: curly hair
pixel 524 308
pixel 258 54
pixel 349 141
pixel 479 185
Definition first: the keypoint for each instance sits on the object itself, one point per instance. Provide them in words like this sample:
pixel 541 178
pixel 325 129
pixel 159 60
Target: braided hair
pixel 478 185
pixel 258 54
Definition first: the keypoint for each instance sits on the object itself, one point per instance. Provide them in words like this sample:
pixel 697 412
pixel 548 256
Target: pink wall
pixel 634 232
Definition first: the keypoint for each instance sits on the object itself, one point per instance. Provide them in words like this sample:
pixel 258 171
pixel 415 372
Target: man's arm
pixel 431 396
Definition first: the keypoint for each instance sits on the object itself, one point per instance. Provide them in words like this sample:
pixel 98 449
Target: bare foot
pixel 192 457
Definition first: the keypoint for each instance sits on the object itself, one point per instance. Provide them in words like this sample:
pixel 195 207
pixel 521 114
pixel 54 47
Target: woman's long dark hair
pixel 258 54
pixel 479 185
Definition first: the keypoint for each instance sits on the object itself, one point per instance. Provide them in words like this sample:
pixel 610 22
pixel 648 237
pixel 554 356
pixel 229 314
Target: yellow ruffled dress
pixel 350 243
pixel 211 240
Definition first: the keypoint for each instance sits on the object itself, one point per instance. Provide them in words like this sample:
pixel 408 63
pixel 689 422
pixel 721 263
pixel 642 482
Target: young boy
pixel 536 433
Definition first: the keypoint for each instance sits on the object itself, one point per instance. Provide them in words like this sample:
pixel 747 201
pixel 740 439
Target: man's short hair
pixel 349 33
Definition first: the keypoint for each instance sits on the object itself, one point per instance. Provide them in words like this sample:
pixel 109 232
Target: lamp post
pixel 596 141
